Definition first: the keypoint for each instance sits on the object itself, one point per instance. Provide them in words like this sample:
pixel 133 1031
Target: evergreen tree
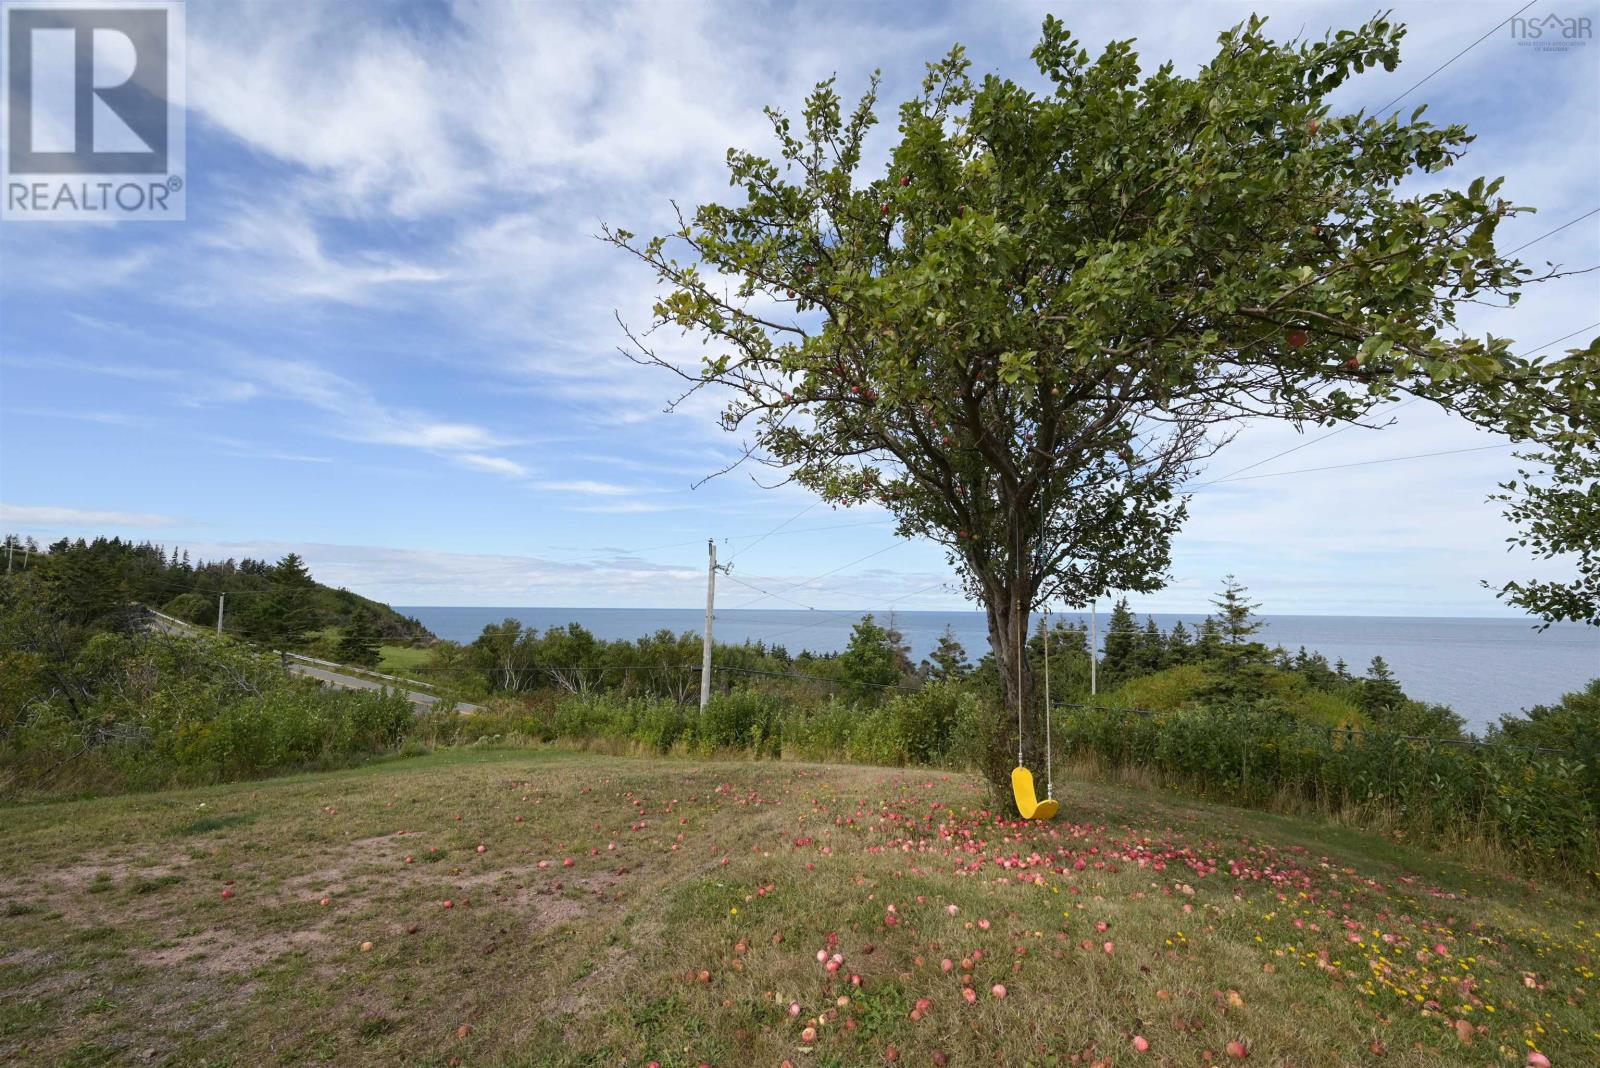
pixel 867 667
pixel 950 658
pixel 358 642
pixel 1180 650
pixel 1119 661
pixel 285 614
pixel 1152 653
pixel 1380 693
pixel 1069 657
pixel 1235 613
pixel 897 645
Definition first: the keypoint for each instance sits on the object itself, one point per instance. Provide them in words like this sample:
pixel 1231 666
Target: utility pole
pixel 1094 647
pixel 222 599
pixel 9 547
pixel 711 601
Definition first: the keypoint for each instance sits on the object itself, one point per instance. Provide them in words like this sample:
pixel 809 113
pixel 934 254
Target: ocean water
pixel 1482 668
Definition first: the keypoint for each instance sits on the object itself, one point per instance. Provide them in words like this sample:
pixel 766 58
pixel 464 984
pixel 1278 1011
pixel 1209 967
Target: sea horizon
pixel 1483 667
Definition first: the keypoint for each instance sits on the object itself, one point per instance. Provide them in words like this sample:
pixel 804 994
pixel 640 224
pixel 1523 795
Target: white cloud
pixel 361 417
pixel 625 508
pixel 598 489
pixel 497 464
pixel 30 516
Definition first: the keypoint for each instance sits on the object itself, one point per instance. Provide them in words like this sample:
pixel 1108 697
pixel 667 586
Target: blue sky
pixel 384 337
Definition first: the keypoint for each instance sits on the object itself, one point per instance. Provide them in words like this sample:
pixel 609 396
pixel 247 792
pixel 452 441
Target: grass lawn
pixel 554 908
pixel 401 659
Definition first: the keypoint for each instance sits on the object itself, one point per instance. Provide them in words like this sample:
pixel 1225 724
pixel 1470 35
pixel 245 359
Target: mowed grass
pixel 620 911
pixel 401 659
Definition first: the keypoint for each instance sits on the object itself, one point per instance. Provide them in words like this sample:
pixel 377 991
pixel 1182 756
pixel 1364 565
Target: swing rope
pixel 1022 653
pixel 1049 758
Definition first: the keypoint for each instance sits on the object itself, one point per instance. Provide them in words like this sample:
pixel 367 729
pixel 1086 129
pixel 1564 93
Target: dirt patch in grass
pixel 224 954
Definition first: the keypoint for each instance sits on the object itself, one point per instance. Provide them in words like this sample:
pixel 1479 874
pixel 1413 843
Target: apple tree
pixel 1555 504
pixel 1022 330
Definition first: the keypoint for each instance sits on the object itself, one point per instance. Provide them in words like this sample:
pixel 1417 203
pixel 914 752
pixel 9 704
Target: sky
pixel 386 336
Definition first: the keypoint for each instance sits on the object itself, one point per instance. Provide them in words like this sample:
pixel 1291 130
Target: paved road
pixel 324 673
pixel 356 682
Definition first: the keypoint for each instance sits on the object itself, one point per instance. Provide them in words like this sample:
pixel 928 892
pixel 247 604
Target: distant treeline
pixel 276 604
pixel 1219 659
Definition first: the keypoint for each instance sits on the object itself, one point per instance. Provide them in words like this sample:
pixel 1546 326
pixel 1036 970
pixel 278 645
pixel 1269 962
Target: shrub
pixel 743 719
pixel 1532 804
pixel 141 710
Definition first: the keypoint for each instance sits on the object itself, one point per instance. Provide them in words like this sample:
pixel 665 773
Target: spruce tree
pixel 286 612
pixel 897 645
pixel 950 658
pixel 1380 692
pixel 1179 648
pixel 1235 613
pixel 1120 659
pixel 358 641
pixel 1152 656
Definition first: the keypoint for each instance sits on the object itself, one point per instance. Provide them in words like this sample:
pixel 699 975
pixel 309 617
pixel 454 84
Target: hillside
pixel 279 603
pixel 554 908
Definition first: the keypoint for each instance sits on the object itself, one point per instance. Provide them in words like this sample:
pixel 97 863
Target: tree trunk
pixel 1008 616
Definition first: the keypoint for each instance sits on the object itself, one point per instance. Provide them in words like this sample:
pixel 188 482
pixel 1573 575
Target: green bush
pixel 743 719
pixel 147 710
pixel 1536 806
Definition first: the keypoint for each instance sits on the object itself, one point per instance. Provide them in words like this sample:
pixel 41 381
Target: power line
pixel 765 593
pixel 775 529
pixel 1457 56
pixel 825 574
pixel 856 613
pixel 809 678
pixel 743 537
pixel 1396 408
pixel 1365 463
pixel 1557 230
pixel 1296 448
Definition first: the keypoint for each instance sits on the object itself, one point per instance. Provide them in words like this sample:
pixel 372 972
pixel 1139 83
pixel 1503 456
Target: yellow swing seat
pixel 1028 802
